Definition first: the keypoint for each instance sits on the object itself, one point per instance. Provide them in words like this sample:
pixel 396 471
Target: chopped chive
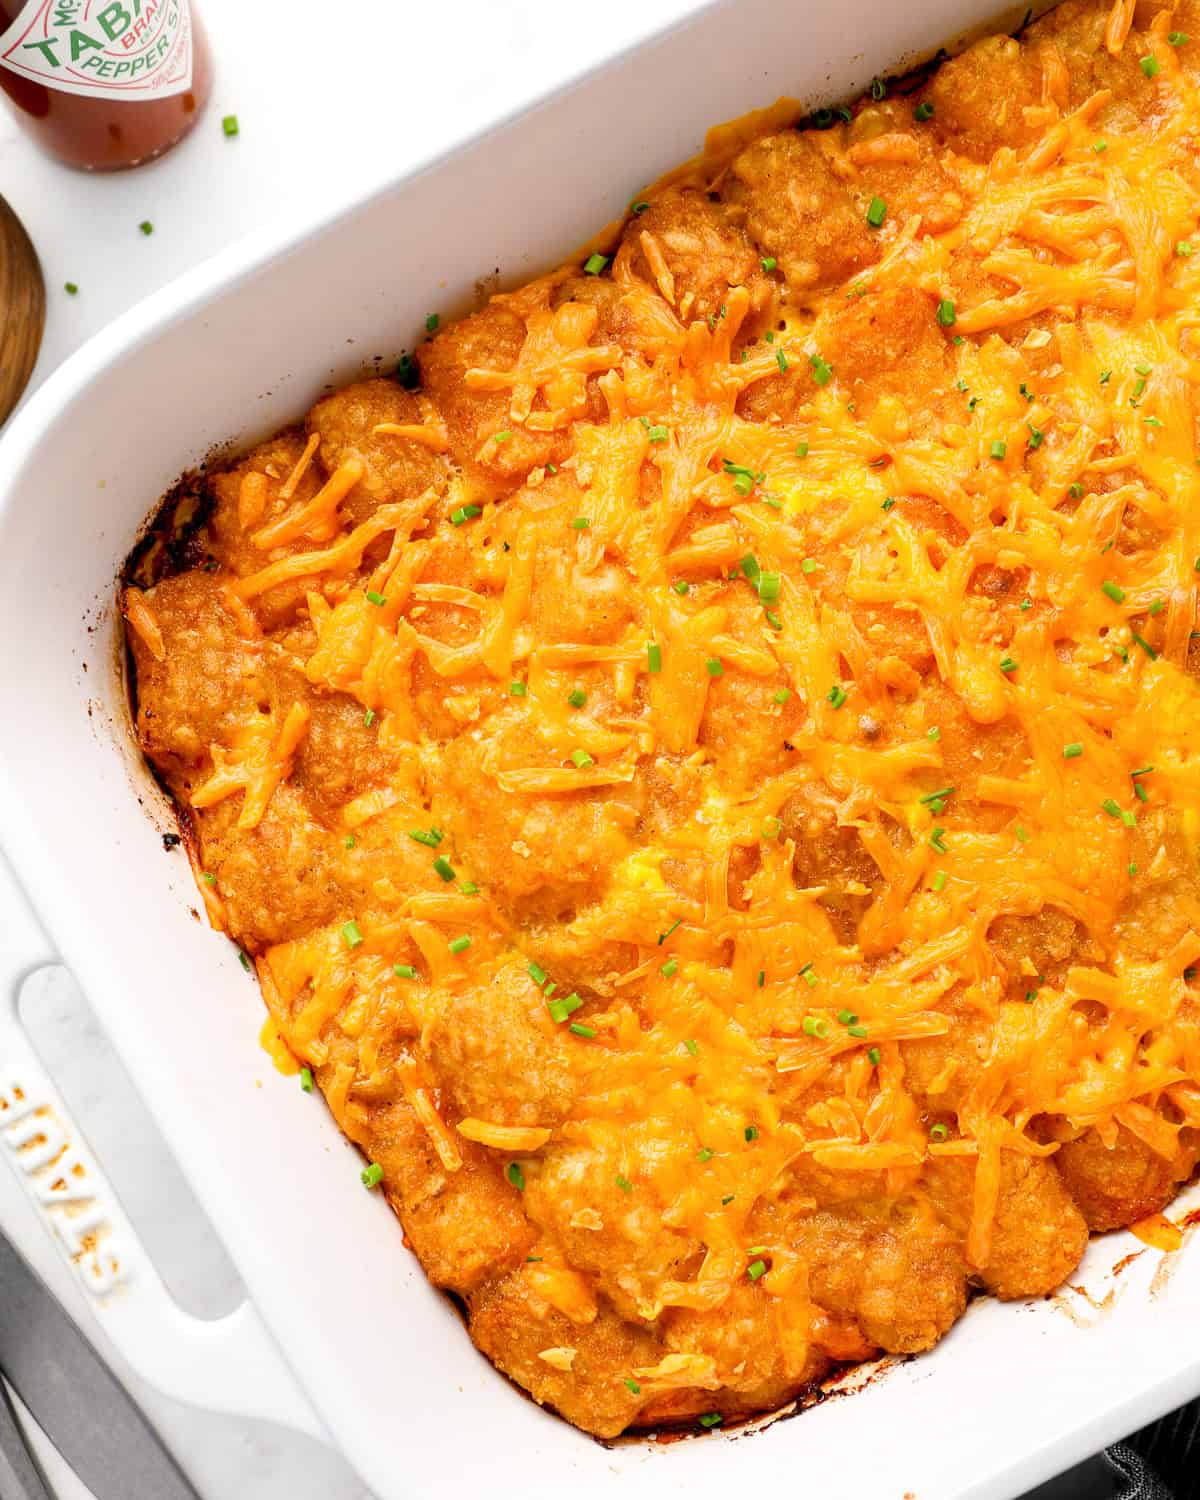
pixel 998 449
pixel 626 1187
pixel 762 978
pixel 444 868
pixel 306 1080
pixel 771 828
pixel 1149 65
pixel 769 584
pixel 1036 436
pixel 751 1132
pixel 230 126
pixel 1105 376
pixel 1114 591
pixel 460 944
pixel 781 361
pixel 923 111
pixel 146 227
pixel 577 697
pixel 1151 422
pixel 1145 645
pixel 705 1153
pixel 1072 751
pixel 579 1029
pixel 632 1384
pixel 431 839
pixel 1178 38
pixel 1140 792
pixel 1111 807
pixel 377 600
pixel 463 513
pixel 873 1056
pixel 773 619
pixel 581 759
pixel 769 263
pixel 468 888
pixel 714 667
pixel 681 586
pixel 888 503
pixel 1183 248
pixel 937 841
pixel 692 1045
pixel 846 1018
pixel 801 450
pixel 563 1007
pixel 1156 607
pixel 372 1176
pixel 782 695
pixel 814 1025
pixel 837 695
pixel 755 1269
pixel 657 434
pixel 933 734
pixel 209 878
pixel 1007 665
pixel 711 1419
pixel 670 968
pixel 743 483
pixel 244 961
pixel 939 796
pixel 351 936
pixel 536 972
pixel 515 1176
pixel 808 565
pixel 517 689
pixel 947 313
pixel 404 971
pixel 748 567
pixel 663 936
pixel 939 881
pixel 858 1031
pixel 71 288
pixel 822 372
pixel 939 1132
pixel 1099 147
pixel 368 718
pixel 595 263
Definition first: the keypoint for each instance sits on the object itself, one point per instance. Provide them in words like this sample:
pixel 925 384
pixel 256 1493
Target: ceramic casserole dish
pixel 231 352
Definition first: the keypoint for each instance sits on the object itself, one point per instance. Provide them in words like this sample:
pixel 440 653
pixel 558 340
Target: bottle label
pixel 103 49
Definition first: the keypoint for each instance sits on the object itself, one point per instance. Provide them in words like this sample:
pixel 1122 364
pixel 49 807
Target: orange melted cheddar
pixel 706 763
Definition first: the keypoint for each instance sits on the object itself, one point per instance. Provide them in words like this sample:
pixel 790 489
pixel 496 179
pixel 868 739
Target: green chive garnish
pixel 1072 751
pixel 306 1080
pixel 460 944
pixel 372 1176
pixel 653 657
pixel 1149 65
pixel 947 314
pixel 351 936
pixel 229 124
pixel 595 263
pixel 444 868
pixel 577 697
pixel 404 971
pixel 515 1176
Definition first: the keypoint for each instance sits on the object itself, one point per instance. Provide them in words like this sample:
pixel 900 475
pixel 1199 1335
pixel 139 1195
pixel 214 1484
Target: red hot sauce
pixel 104 84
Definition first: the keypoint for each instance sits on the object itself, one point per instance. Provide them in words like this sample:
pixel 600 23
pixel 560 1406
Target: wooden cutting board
pixel 22 309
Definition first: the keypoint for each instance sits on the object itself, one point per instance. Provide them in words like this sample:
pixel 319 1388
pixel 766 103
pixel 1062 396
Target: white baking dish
pixel 233 350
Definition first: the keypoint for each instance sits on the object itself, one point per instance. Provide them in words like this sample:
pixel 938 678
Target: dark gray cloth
pixel 1161 1462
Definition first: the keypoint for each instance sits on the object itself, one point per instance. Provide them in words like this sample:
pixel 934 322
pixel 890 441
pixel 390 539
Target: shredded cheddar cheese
pixel 710 783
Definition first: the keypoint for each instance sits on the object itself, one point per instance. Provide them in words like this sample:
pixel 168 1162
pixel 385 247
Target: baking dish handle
pixel 229 1365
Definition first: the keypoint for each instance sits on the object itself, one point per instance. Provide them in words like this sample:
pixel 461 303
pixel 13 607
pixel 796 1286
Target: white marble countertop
pixel 330 99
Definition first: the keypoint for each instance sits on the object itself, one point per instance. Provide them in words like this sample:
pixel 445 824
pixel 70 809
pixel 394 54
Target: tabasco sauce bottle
pixel 103 84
